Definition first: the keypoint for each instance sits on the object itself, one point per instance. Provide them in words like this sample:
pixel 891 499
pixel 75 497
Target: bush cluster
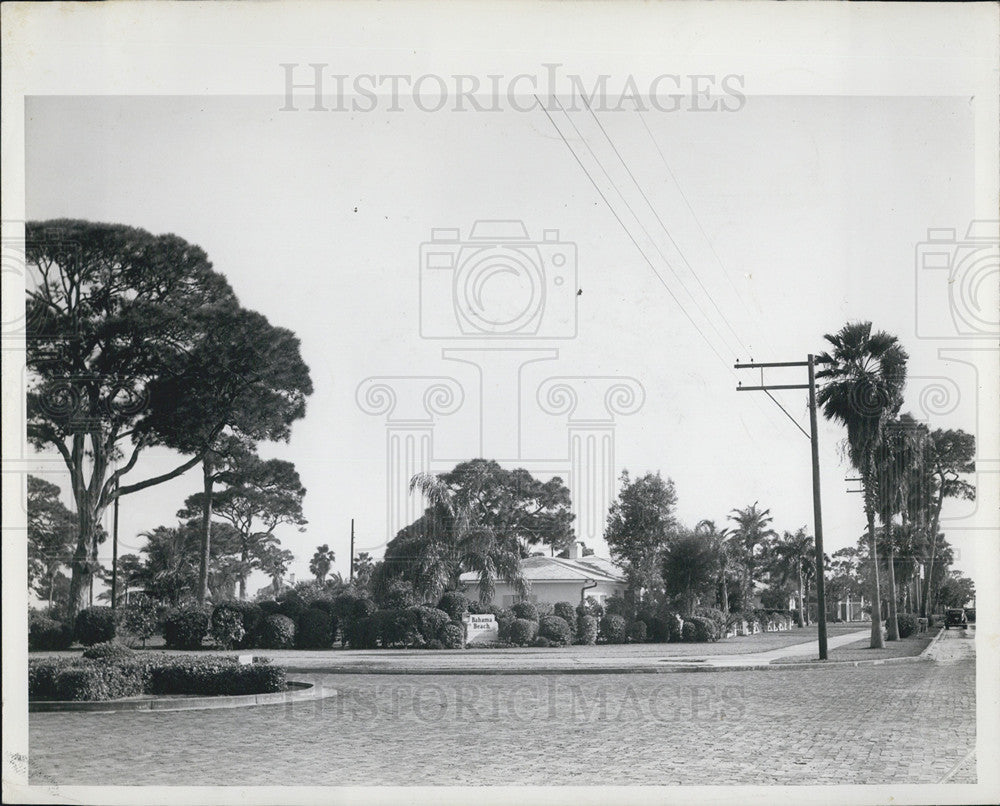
pixel 907 625
pixel 688 632
pixel 95 625
pixel 113 678
pixel 613 629
pixel 227 627
pixel 703 629
pixel 186 626
pixel 46 634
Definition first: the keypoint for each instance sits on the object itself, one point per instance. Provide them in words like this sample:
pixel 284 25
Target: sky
pixel 745 234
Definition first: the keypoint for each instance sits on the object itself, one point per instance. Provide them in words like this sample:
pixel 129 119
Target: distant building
pixel 557 579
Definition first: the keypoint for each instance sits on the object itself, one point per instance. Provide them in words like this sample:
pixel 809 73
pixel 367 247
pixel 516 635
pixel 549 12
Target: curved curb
pixel 298 692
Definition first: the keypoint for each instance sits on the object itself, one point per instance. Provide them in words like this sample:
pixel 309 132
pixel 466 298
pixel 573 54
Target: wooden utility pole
pixel 351 572
pixel 114 556
pixel 810 364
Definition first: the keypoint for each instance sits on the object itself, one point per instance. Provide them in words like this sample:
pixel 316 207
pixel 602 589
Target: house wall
pixel 550 592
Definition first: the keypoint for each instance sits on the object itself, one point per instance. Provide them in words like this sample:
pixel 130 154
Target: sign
pixel 482 628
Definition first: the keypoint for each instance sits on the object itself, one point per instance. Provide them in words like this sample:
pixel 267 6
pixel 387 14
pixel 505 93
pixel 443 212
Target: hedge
pixel 907 625
pixel 276 632
pixel 48 634
pixel 109 650
pixel 186 626
pixel 397 626
pixel 80 679
pixel 361 633
pixel 94 625
pixel 316 629
pixel 555 629
pixel 612 630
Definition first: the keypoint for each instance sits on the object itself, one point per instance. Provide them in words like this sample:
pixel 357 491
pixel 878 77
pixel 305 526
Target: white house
pixel 555 579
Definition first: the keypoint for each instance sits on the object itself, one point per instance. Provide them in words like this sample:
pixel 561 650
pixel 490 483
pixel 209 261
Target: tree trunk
pixel 893 626
pixel 245 558
pixel 930 565
pixel 725 595
pixel 876 603
pixel 206 529
pixel 85 557
pixel 802 614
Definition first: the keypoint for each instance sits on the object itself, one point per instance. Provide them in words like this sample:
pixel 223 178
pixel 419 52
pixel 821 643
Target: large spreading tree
pixel 132 340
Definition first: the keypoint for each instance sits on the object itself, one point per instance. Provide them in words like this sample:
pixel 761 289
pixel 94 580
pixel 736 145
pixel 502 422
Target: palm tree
pixel 321 562
pixel 689 568
pixel 863 379
pixel 794 554
pixel 455 539
pixel 726 552
pixel 274 562
pixel 752 530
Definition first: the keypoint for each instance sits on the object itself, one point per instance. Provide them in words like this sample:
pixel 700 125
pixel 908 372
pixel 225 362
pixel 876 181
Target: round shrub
pixel 47 634
pixel 343 605
pixel 276 632
pixel 397 594
pixel 429 621
pixel 452 636
pixel 227 627
pixel 637 632
pixel 586 630
pixel 361 633
pixel 717 619
pixel 523 631
pixel 567 613
pixel 615 605
pixel 250 615
pixel 268 607
pixel 542 641
pixel 186 626
pixel 139 619
pixel 555 629
pixel 315 629
pixel 455 605
pixel 525 610
pixel 704 629
pixel 612 630
pixel 109 650
pixel 907 625
pixel 292 604
pixel 397 626
pixel 688 631
pixel 94 625
pixel 544 609
pixel 505 618
pixel 363 607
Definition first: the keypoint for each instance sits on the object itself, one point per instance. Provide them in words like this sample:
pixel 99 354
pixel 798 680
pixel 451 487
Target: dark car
pixel 970 615
pixel 955 617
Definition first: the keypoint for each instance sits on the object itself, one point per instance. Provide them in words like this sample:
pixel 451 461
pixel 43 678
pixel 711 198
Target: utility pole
pixel 114 556
pixel 810 364
pixel 351 576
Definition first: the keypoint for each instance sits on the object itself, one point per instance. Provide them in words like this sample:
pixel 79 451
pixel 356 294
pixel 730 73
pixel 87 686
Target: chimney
pixel 573 552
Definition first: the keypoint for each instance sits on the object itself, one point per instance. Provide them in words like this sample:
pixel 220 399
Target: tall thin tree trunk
pixel 802 614
pixel 876 596
pixel 893 627
pixel 245 558
pixel 934 530
pixel 206 528
pixel 725 594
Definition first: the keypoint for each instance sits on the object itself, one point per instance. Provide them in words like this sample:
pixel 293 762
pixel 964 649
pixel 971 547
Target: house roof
pixel 557 569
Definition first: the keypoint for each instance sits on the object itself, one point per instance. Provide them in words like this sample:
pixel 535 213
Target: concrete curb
pixel 298 692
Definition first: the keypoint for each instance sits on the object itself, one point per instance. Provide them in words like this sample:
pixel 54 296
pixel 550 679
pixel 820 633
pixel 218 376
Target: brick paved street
pixel 911 723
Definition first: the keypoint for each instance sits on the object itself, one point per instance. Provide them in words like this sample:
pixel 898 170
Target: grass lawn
pixel 859 650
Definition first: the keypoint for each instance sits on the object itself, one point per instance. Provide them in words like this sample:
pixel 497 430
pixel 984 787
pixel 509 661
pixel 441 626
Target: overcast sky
pixel 773 225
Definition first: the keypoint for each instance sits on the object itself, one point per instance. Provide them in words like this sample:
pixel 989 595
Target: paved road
pixel 911 723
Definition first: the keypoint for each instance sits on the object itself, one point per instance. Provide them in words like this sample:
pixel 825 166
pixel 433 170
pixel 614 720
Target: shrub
pixel 612 629
pixel 637 631
pixel 316 629
pixel 717 619
pixel 479 608
pixel 525 610
pixel 452 636
pixel 47 634
pixel 907 625
pixel 542 641
pixel 109 650
pixel 704 629
pixel 268 607
pixel 361 633
pixel 276 632
pixel 429 621
pixel 675 626
pixel 227 627
pixel 658 629
pixel 363 607
pixel 433 644
pixel 615 605
pixel 292 604
pixel 505 618
pixel 544 609
pixel 555 629
pixel 139 619
pixel 591 607
pixel 250 613
pixel 396 594
pixel 522 631
pixel 397 627
pixel 94 625
pixel 454 604
pixel 343 605
pixel 586 630
pixel 76 679
pixel 688 631
pixel 186 626
pixel 567 613
pixel 216 676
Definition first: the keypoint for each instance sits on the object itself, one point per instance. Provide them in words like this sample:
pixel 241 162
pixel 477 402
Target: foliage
pixel 505 620
pixel 555 629
pixel 690 568
pixel 95 625
pixel 567 612
pixel 45 634
pixel 705 629
pixel 276 632
pixel 454 604
pixel 522 631
pixel 637 631
pixel 717 619
pixel 227 627
pixel 688 631
pixel 429 620
pixel 186 626
pixel 753 534
pixel 956 591
pixel 251 615
pixel 613 629
pixel 138 619
pixel 586 630
pixel 397 627
pixel 51 536
pixel 907 624
pixel 452 636
pixel 525 610
pixel 109 650
pixel 395 593
pixel 615 605
pixel 361 633
pixel 315 630
pixel 321 562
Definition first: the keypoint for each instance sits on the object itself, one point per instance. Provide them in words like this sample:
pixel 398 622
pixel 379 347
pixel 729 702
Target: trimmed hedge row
pixel 45 634
pixel 82 679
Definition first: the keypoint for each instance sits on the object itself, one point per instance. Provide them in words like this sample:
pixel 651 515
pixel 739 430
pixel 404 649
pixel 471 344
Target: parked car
pixel 955 617
pixel 970 615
